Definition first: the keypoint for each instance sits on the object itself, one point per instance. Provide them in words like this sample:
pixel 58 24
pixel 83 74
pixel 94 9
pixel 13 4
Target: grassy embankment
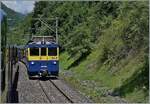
pixel 111 68
pixel 100 80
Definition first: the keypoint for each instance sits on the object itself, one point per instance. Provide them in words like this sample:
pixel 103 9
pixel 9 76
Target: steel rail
pixel 68 98
pixel 45 92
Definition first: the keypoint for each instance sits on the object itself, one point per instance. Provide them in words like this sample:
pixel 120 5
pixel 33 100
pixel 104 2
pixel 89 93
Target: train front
pixel 43 59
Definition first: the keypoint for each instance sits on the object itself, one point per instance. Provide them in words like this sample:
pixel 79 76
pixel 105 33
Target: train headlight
pixel 32 63
pixel 54 62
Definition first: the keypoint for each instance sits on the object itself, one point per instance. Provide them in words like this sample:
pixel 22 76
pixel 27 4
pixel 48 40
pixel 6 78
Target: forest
pixel 104 45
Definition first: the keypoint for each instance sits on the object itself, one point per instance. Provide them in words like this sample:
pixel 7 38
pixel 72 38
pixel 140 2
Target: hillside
pixel 18 26
pixel 13 15
pixel 104 46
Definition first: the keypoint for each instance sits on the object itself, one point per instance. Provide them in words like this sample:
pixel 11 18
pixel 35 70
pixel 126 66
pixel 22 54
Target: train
pixel 9 59
pixel 42 57
pixel 20 53
pixel 3 20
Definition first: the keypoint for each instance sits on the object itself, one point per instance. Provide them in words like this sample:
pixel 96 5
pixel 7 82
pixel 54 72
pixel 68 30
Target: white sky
pixel 22 6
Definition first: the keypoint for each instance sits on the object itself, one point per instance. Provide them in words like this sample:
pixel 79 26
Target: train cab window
pixel 43 51
pixel 52 51
pixel 34 51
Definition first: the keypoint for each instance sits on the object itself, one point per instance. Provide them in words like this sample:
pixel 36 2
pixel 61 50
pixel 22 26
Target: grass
pixel 66 62
pixel 3 96
pixel 137 95
pixel 102 77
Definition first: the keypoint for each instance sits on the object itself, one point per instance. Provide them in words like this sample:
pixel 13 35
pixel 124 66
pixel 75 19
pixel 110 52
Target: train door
pixel 43 53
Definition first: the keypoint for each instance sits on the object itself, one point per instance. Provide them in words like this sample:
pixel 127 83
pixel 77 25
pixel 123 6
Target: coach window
pixel 34 51
pixel 43 51
pixel 52 51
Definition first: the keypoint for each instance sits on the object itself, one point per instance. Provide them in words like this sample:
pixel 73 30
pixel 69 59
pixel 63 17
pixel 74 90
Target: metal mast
pixel 57 30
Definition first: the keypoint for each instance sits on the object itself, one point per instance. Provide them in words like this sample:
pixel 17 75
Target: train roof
pixel 42 44
pixel 43 38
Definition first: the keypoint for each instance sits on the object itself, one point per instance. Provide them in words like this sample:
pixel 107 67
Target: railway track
pixel 51 91
pixel 61 91
pixel 44 91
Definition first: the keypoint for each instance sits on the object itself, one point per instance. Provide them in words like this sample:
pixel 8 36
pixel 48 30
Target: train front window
pixel 43 51
pixel 34 51
pixel 52 51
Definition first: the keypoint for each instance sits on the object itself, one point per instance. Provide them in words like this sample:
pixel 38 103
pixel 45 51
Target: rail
pixel 68 98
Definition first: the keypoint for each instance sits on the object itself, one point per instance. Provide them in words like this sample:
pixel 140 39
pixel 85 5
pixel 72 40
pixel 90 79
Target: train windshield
pixel 43 51
pixel 34 51
pixel 52 51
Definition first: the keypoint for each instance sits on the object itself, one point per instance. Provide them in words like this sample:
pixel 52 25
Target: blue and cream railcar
pixel 20 53
pixel 42 58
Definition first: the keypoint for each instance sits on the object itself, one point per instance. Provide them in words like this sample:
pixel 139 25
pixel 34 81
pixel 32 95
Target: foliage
pixel 76 23
pixel 119 60
pixel 20 34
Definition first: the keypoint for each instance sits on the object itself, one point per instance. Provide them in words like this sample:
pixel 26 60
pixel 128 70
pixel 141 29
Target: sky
pixel 22 6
